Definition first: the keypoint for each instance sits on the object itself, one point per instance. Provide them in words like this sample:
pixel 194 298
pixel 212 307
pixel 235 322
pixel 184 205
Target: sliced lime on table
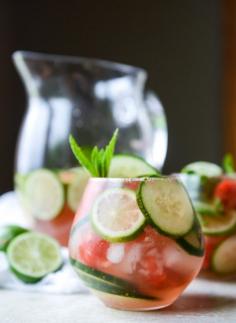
pixel 126 166
pixel 116 215
pixel 33 255
pixel 76 187
pixel 44 194
pixel 8 233
pixel 203 168
pixel 166 205
pixel 218 225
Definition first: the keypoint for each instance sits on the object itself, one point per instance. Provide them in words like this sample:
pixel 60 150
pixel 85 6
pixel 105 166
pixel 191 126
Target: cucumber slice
pixel 98 280
pixel 203 168
pixel 166 204
pixel 126 166
pixel 44 194
pixel 218 225
pixel 33 255
pixel 116 215
pixel 224 257
pixel 77 187
pixel 99 274
pixel 193 242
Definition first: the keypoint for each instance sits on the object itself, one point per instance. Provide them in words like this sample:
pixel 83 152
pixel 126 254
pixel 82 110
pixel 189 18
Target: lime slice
pixel 76 187
pixel 9 232
pixel 218 225
pixel 126 166
pixel 33 255
pixel 116 215
pixel 203 168
pixel 44 194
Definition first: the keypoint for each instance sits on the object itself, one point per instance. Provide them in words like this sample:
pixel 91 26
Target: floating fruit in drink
pixel 137 247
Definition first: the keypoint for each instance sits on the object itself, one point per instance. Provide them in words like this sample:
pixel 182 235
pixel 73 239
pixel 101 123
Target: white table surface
pixel 203 301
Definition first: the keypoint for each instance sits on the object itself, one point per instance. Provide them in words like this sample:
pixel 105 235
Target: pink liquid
pixel 155 265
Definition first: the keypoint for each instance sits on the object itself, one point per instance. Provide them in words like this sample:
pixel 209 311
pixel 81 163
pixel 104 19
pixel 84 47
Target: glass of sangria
pixel 136 242
pixel 213 192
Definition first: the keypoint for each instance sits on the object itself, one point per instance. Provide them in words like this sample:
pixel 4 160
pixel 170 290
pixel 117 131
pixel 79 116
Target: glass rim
pixel 193 175
pixel 125 68
pixel 171 177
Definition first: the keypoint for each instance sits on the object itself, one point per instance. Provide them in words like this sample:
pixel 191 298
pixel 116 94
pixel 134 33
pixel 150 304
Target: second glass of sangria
pixel 213 192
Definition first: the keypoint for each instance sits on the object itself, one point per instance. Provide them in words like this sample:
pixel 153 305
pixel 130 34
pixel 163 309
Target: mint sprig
pixel 100 159
pixel 228 164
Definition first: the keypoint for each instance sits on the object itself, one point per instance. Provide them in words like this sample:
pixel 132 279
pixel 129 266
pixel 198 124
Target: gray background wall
pixel 178 42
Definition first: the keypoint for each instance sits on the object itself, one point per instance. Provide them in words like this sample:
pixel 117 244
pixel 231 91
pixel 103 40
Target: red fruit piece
pixel 225 191
pixel 93 251
pixel 132 184
pixel 151 270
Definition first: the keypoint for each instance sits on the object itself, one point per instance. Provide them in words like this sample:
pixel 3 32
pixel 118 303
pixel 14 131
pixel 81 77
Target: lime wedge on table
pixel 203 168
pixel 116 215
pixel 33 255
pixel 8 233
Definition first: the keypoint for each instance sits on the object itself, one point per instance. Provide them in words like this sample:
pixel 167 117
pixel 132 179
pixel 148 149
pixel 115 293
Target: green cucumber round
pixel 203 168
pixel 193 242
pixel 104 282
pixel 166 205
pixel 129 166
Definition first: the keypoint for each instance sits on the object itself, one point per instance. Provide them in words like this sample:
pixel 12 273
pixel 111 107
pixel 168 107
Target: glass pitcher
pixel 88 98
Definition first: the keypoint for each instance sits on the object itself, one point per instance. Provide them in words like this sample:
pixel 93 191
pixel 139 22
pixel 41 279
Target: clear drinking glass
pixel 89 99
pixel 146 270
pixel 219 227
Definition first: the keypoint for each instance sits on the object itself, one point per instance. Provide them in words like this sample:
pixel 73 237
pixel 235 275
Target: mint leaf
pixel 228 164
pixel 109 151
pixel 99 161
pixel 81 157
pixel 95 159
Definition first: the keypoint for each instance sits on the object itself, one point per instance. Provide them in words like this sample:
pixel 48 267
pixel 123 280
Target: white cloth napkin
pixel 64 281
